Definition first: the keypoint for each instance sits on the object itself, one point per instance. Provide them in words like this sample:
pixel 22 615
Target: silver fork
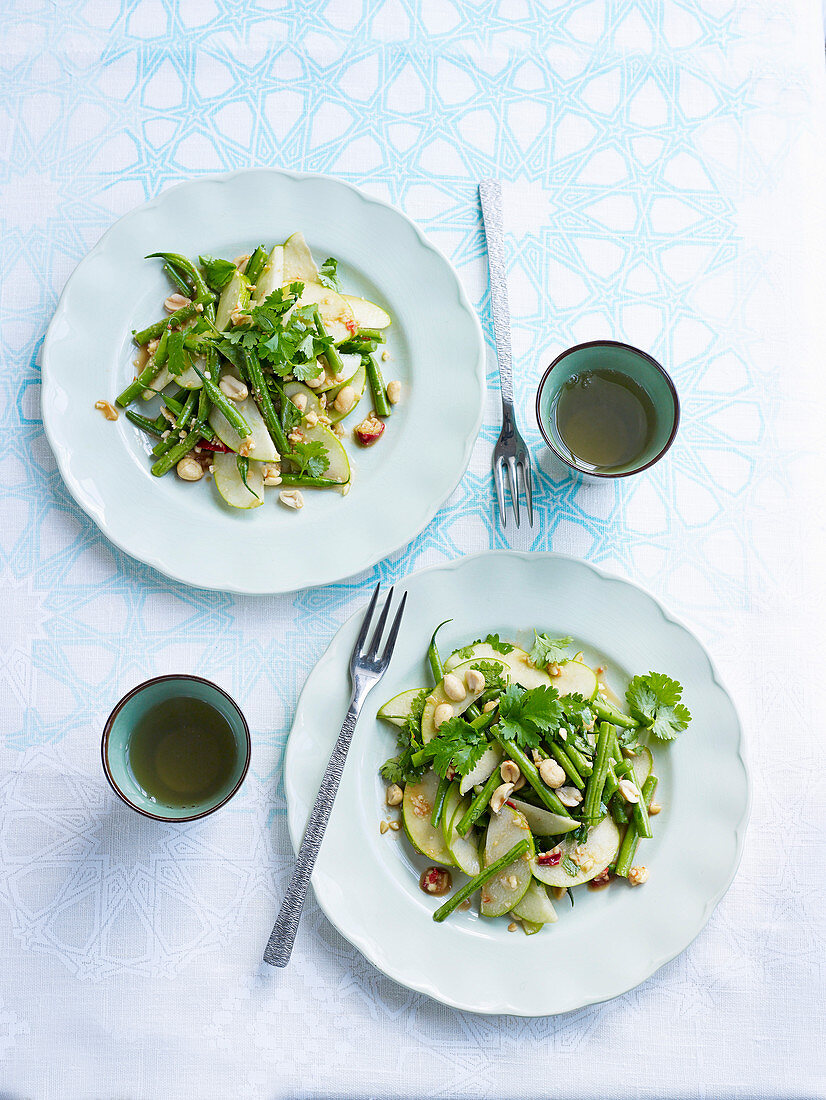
pixel 366 669
pixel 510 452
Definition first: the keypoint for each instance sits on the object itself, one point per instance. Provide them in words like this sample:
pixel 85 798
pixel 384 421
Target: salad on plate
pixel 253 372
pixel 523 771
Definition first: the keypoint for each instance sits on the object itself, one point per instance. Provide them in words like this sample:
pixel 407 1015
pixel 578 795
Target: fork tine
pixel 394 631
pixel 513 481
pixel 365 626
pixel 527 476
pixel 500 490
pixel 374 644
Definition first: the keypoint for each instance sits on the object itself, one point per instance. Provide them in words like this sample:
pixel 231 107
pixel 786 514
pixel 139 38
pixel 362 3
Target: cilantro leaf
pixel 577 710
pixel 178 360
pixel 570 867
pixel 495 679
pixel 217 272
pixel 413 728
pixel 400 769
pixel 243 465
pixel 525 716
pixel 494 642
pixel 547 650
pixel 303 371
pixel 290 416
pixel 459 744
pixel 311 458
pixel 466 652
pixel 328 274
pixel 654 700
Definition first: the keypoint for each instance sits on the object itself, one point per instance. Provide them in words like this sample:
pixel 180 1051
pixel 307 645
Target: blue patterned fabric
pixel 659 162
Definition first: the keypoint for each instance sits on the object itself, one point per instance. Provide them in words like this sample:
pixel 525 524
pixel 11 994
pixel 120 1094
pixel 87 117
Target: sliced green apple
pixel 357 383
pixel 544 822
pixel 417 806
pixel 230 484
pixel 272 277
pixel 335 313
pixel 535 907
pixel 339 468
pixel 298 263
pixel 600 847
pixel 367 314
pixel 508 887
pixel 464 850
pixel 294 389
pixel 576 678
pixel 484 768
pixel 397 710
pixel 263 449
pixel 234 296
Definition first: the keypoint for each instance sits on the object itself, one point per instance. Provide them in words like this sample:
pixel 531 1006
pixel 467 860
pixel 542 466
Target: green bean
pixel 176 280
pixel 548 797
pixel 264 401
pixel 479 803
pixel 596 781
pixel 578 759
pixel 304 481
pixel 156 330
pixel 639 810
pixel 437 669
pixel 186 268
pixel 630 842
pixel 174 456
pixel 186 409
pixel 149 426
pixel 224 405
pixel 619 810
pixel 173 405
pixel 371 334
pixel 560 755
pixel 147 375
pixel 439 802
pixel 516 852
pixel 611 784
pixel 607 712
pixel 255 264
pixel 358 346
pixel 331 354
pixel 374 377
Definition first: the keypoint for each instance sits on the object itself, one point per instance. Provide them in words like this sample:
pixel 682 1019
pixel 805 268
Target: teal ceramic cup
pixel 636 365
pixel 118 738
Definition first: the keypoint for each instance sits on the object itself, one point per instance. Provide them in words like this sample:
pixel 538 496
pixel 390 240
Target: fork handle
pixel 280 944
pixel 490 196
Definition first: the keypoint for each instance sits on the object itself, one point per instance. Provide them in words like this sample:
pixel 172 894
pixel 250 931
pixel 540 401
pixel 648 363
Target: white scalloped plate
pixel 367 883
pixel 184 530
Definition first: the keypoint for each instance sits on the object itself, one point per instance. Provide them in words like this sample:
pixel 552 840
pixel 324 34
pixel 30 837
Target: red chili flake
pixel 207 445
pixel 549 859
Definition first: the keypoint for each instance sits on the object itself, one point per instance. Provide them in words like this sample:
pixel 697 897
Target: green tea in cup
pixel 607 409
pixel 182 751
pixel 604 418
pixel 176 748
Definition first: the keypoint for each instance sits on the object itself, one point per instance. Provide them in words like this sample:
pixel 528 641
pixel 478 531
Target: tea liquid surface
pixel 604 418
pixel 182 752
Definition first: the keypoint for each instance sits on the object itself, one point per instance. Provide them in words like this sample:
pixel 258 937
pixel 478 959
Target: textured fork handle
pixel 280 944
pixel 490 195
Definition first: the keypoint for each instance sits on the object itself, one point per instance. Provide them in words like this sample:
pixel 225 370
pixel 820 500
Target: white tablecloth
pixel 664 185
